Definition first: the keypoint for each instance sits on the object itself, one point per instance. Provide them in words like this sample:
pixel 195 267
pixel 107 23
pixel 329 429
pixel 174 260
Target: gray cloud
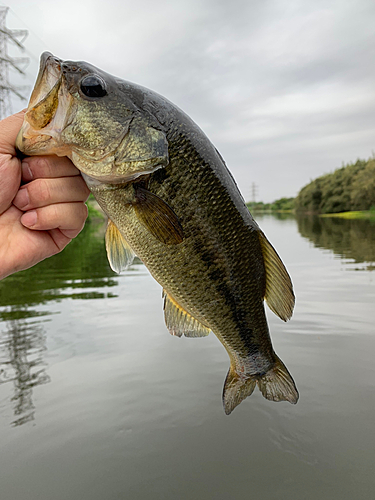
pixel 283 88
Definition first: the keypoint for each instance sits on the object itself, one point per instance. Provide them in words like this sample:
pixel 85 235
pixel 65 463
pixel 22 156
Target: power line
pixel 17 37
pixel 254 192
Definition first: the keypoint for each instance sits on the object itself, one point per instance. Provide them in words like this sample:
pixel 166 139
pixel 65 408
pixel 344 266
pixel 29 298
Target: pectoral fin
pixel 158 217
pixel 180 322
pixel 119 253
pixel 279 289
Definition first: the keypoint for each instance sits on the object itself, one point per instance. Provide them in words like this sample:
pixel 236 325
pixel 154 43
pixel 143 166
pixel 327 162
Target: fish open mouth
pixel 46 113
pixel 48 76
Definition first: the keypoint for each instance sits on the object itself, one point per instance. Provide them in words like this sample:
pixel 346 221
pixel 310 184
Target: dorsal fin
pixel 180 322
pixel 279 289
pixel 119 253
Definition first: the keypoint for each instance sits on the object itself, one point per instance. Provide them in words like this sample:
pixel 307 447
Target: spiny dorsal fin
pixel 279 289
pixel 180 322
pixel 119 253
pixel 158 217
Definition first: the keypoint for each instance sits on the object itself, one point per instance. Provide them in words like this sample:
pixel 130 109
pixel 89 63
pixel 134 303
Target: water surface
pixel 98 401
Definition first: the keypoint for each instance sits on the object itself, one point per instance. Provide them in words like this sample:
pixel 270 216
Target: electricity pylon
pixel 16 37
pixel 254 192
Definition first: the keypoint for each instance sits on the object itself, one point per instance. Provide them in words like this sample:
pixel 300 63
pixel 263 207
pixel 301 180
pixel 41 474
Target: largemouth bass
pixel 170 200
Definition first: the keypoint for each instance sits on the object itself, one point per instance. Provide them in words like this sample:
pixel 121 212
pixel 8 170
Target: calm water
pixel 99 402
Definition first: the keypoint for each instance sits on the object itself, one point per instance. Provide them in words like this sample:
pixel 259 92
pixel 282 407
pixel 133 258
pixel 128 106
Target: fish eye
pixel 93 86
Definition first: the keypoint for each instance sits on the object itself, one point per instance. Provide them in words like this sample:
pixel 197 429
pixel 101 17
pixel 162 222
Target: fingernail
pixel 29 218
pixel 27 174
pixel 22 199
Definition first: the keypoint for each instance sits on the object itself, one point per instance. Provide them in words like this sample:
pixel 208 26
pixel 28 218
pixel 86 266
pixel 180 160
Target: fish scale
pixel 221 293
pixel 170 200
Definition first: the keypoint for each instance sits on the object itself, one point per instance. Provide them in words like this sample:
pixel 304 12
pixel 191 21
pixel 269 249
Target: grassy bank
pixel 281 205
pixel 363 214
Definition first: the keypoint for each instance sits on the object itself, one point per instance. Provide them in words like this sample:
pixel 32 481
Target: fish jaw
pixel 49 73
pixel 46 115
pixel 106 136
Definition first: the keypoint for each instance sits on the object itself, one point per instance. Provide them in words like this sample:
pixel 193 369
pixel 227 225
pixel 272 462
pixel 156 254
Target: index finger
pixel 36 167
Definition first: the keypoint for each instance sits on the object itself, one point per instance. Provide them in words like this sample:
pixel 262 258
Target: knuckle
pixel 37 165
pixel 76 215
pixel 79 216
pixel 45 167
pixel 83 212
pixel 42 192
pixel 57 213
pixel 81 187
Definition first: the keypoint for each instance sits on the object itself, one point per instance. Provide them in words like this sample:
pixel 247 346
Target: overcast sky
pixel 284 89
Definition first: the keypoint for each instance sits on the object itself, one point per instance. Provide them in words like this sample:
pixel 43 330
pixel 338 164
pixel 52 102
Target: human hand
pixel 39 218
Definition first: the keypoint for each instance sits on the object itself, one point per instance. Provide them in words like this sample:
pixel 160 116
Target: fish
pixel 170 200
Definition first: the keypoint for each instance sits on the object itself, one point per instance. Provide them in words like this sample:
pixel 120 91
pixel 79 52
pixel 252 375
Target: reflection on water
pixel 21 361
pixel 111 401
pixel 349 239
pixel 82 266
pixel 258 216
pixel 80 272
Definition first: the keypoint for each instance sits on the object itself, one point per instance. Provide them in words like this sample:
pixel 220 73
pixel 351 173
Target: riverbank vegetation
pixel 348 192
pixel 357 214
pixel 347 189
pixel 280 205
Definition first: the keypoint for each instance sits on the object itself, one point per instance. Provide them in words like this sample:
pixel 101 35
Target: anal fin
pixel 179 322
pixel 119 253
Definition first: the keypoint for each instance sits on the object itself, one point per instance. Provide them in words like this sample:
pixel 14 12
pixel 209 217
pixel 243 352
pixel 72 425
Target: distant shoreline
pixel 358 214
pixel 363 214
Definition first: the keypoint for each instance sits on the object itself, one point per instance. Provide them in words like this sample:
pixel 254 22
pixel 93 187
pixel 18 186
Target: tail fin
pixel 236 388
pixel 276 385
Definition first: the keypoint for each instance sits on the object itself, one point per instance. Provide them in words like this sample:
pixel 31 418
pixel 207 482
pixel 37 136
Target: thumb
pixel 9 128
pixel 10 166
